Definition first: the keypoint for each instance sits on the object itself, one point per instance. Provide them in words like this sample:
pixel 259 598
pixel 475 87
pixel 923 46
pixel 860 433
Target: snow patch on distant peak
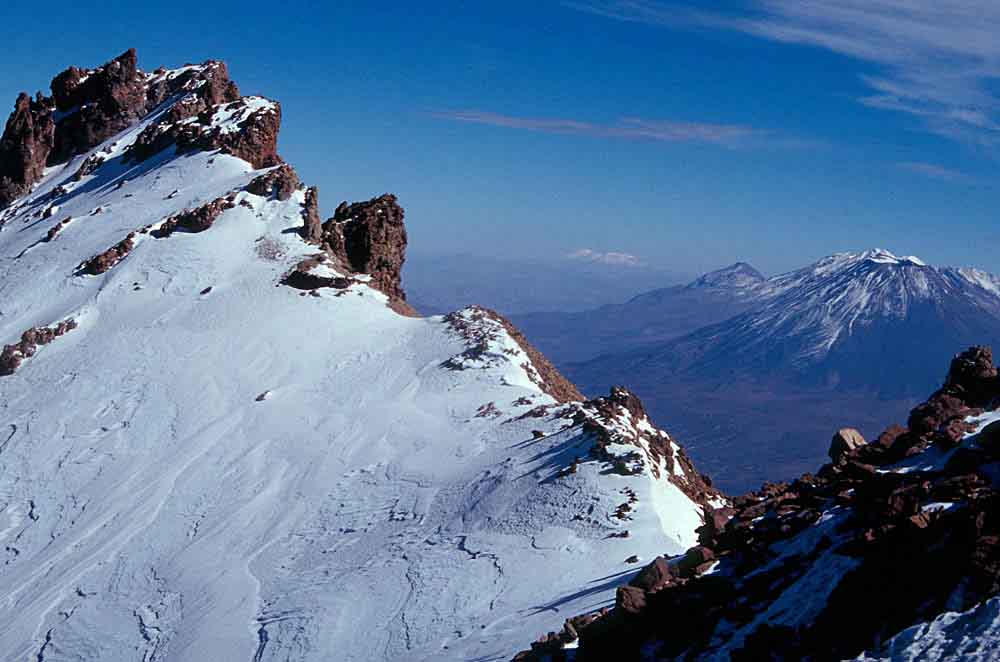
pixel 738 276
pixel 982 279
pixel 882 256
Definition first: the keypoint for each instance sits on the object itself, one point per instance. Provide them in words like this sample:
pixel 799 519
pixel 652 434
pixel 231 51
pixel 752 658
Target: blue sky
pixel 691 135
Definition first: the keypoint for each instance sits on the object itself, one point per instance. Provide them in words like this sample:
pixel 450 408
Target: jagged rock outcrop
pixel 482 328
pixel 103 262
pixel 28 138
pixel 312 226
pixel 206 113
pixel 845 442
pixel 13 355
pixel 88 106
pixel 370 238
pixel 205 85
pixel 281 183
pixel 892 533
pixel 246 128
pixel 93 105
pixel 195 220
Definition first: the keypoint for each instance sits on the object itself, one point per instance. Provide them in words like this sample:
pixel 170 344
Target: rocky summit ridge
pixel 193 108
pixel 225 435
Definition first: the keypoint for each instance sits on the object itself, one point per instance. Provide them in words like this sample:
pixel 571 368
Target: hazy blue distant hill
pixel 439 284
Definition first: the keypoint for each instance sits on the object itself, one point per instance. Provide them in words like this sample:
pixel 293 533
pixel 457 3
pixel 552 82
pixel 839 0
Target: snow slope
pixel 213 465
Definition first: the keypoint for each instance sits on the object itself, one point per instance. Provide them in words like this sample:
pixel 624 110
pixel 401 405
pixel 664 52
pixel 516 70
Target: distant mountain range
pixel 766 367
pixel 442 283
pixel 652 317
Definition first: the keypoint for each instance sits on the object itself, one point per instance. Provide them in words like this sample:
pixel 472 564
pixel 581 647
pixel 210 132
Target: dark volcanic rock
pixel 312 227
pixel 205 86
pixel 13 355
pixel 27 140
pixel 279 183
pixel 255 139
pixel 88 106
pixel 195 220
pixel 103 262
pixel 369 237
pixel 95 105
pixel 302 277
pixel 973 372
pixel 845 442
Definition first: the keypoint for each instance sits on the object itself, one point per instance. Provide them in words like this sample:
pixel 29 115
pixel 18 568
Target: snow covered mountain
pixel 889 552
pixel 651 317
pixel 858 321
pixel 225 435
pixel 740 279
pixel 853 317
pixel 858 333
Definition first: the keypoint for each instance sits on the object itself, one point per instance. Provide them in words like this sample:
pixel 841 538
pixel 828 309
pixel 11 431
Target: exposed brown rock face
pixel 105 261
pixel 369 237
pixel 910 544
pixel 312 227
pixel 95 105
pixel 195 220
pixel 13 355
pixel 254 141
pixel 28 138
pixel 56 229
pixel 210 84
pixel 281 183
pixel 88 106
pixel 302 277
pixel 844 442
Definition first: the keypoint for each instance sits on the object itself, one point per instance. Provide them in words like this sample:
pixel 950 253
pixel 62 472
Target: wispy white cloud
pixel 614 258
pixel 938 60
pixel 728 135
pixel 932 170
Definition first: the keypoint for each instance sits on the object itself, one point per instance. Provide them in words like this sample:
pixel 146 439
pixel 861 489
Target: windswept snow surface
pixel 251 473
pixel 973 636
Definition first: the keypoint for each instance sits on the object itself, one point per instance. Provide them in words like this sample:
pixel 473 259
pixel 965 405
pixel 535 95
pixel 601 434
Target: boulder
pixel 972 371
pixel 279 183
pixel 654 576
pixel 695 561
pixel 630 599
pixel 845 442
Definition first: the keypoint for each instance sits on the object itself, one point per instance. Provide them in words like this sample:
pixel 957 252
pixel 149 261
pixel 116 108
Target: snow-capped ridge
pixel 801 319
pixel 882 256
pixel 211 458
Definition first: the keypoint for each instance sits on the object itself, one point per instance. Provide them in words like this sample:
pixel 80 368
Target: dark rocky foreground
pixel 888 534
